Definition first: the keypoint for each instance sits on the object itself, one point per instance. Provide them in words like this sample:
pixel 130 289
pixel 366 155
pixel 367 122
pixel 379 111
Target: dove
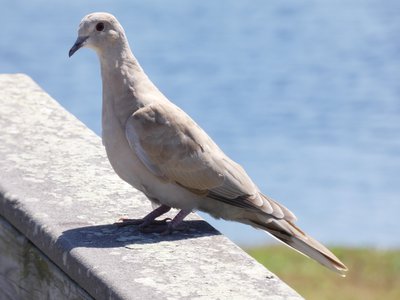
pixel 158 149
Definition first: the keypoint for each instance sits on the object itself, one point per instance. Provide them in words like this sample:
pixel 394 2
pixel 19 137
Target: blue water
pixel 305 95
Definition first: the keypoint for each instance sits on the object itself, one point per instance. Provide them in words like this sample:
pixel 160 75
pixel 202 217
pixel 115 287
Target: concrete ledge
pixel 26 273
pixel 58 190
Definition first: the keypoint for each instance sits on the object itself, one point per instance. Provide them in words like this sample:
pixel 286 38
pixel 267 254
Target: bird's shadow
pixel 113 236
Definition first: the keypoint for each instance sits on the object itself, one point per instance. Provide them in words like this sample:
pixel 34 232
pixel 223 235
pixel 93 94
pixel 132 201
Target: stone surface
pixel 26 273
pixel 58 189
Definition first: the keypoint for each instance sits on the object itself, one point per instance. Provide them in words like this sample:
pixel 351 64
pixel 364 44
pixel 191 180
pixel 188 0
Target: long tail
pixel 295 238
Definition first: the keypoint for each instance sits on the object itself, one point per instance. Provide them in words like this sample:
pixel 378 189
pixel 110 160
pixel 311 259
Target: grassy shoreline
pixel 373 274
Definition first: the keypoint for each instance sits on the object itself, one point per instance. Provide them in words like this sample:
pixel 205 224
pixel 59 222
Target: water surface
pixel 305 96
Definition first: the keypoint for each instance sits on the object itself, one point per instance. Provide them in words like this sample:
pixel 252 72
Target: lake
pixel 305 95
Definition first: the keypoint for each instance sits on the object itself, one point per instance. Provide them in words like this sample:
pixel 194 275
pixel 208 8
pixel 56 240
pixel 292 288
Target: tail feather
pixel 295 238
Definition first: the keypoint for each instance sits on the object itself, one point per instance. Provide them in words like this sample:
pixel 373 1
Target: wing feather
pixel 173 147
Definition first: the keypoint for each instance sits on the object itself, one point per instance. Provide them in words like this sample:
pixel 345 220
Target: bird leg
pixel 147 220
pixel 176 223
pixel 149 224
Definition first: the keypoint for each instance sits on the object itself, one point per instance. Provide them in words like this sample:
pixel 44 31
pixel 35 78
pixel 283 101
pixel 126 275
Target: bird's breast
pixel 122 158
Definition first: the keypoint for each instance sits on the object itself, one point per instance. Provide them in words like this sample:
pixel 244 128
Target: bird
pixel 158 149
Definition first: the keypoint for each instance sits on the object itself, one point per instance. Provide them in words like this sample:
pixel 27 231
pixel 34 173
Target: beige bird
pixel 157 148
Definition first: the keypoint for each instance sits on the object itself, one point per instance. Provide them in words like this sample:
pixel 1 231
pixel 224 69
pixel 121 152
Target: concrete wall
pixel 26 273
pixel 58 201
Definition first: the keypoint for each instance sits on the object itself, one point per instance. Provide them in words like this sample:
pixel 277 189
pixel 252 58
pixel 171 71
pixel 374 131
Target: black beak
pixel 80 41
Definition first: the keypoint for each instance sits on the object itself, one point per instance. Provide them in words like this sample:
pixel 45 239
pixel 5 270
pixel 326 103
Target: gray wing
pixel 173 147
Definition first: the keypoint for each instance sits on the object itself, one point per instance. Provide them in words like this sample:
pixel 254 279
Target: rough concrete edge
pixel 47 275
pixel 13 212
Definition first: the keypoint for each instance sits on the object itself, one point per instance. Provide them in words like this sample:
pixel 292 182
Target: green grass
pixel 373 274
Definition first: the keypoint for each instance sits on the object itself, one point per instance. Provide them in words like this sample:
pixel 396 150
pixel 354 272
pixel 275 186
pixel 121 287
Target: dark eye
pixel 100 26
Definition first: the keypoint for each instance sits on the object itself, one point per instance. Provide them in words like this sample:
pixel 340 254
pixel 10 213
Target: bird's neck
pixel 124 84
pixel 119 69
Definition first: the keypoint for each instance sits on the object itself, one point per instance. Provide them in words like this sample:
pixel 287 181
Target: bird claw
pixel 163 227
pixel 141 223
pixel 125 222
pixel 148 224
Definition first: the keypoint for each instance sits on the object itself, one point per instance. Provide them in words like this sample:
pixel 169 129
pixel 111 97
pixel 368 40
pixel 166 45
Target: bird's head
pixel 98 31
